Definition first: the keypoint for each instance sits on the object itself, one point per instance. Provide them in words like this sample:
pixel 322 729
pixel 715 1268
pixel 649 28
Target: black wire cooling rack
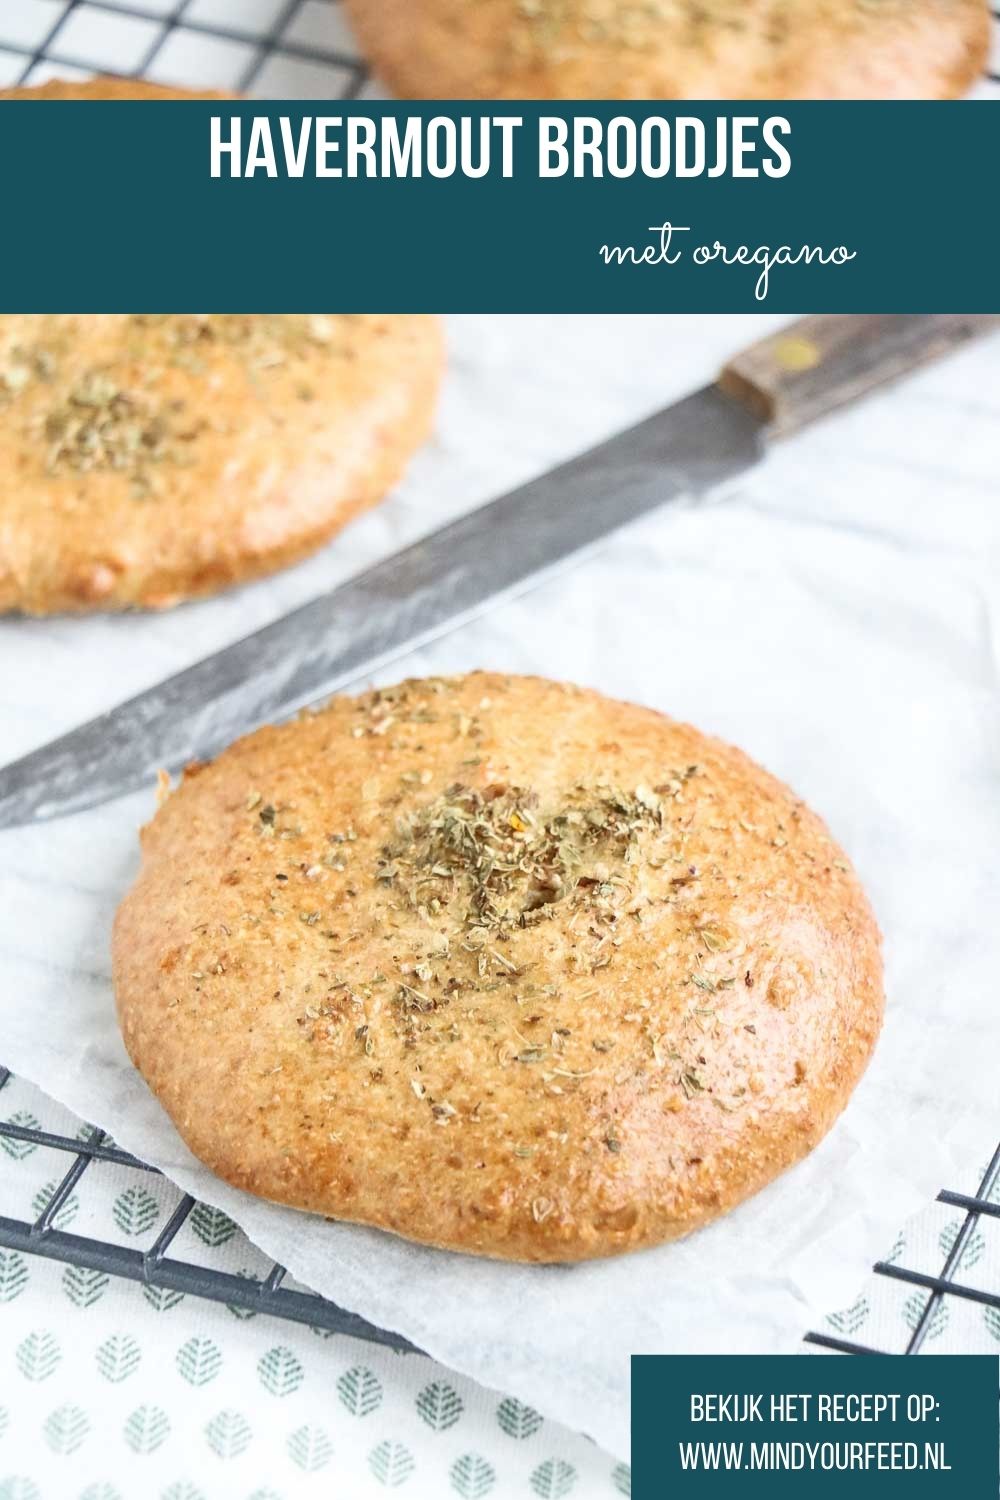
pixel 156 1268
pixel 981 1204
pixel 249 37
pixel 146 38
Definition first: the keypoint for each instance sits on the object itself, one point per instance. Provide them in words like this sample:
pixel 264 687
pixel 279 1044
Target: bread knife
pixel 687 451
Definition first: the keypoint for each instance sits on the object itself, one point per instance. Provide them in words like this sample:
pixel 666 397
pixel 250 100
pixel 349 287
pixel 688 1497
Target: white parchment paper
pixel 836 618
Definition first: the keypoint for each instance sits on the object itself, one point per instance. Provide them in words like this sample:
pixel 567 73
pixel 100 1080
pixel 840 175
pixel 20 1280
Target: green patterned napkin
pixel 112 1391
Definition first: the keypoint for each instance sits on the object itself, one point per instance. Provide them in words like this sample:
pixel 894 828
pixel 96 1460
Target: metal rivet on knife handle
pixel 825 361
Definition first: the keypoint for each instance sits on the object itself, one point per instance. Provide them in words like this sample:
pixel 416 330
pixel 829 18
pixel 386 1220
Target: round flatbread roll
pixel 107 86
pixel 152 458
pixel 497 964
pixel 674 49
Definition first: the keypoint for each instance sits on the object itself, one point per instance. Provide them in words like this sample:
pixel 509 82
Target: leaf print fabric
pixel 360 1390
pixel 310 1448
pixel 146 1429
pixel 63 1214
pixel 212 1226
pixel 13 1275
pixel 440 1405
pixel 133 1392
pixel 135 1211
pixel 84 1286
pixel 19 1150
pixel 553 1479
pixel 229 1434
pixel 472 1477
pixel 118 1357
pixel 38 1355
pixel 199 1361
pixel 391 1463
pixel 280 1371
pixel 516 1419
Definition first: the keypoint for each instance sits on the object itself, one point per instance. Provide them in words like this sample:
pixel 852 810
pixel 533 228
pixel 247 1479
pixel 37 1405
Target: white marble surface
pixel 837 617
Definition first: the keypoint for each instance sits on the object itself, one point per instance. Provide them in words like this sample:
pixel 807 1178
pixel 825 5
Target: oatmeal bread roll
pixel 674 49
pixel 107 86
pixel 147 459
pixel 497 964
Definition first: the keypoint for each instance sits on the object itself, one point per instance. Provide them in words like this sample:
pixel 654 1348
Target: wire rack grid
pixel 267 48
pixel 264 48
pixel 157 1268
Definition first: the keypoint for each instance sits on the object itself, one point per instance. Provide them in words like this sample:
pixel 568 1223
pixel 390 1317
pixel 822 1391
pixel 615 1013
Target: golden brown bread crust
pixel 108 87
pixel 674 49
pixel 499 965
pixel 146 459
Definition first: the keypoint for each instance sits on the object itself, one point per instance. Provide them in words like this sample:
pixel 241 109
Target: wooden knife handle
pixel 821 362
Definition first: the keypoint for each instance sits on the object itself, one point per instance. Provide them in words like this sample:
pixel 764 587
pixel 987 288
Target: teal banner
pixel 830 207
pixel 755 1426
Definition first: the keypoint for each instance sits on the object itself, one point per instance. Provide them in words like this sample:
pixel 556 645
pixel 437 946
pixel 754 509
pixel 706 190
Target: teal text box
pixel 112 207
pixel 893 1427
